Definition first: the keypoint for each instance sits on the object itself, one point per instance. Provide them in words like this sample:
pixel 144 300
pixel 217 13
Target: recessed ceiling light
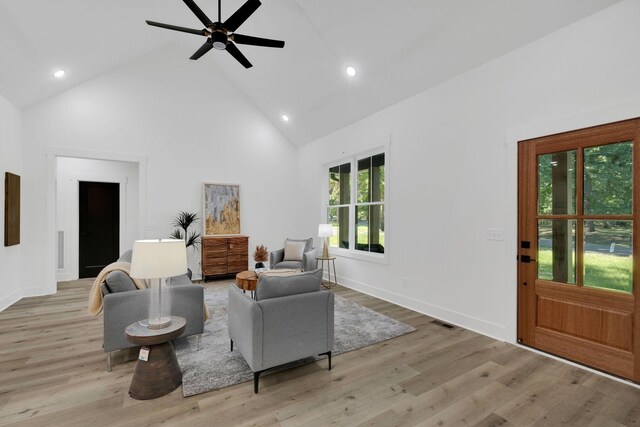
pixel 351 72
pixel 285 118
pixel 58 74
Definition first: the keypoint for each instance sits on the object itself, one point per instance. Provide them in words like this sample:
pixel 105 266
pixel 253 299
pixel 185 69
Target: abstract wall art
pixel 221 209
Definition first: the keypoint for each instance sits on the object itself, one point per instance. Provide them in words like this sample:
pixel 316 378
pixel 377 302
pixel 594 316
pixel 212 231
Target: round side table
pixel 161 373
pixel 331 261
pixel 247 281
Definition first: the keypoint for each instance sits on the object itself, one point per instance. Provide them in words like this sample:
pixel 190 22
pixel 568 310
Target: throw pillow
pixel 293 250
pixel 119 281
pixel 308 243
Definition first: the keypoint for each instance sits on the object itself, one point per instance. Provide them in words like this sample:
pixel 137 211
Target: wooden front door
pixel 578 237
pixel 99 224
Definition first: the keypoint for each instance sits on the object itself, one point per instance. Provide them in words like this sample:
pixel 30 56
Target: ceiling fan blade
pixel 206 47
pixel 233 50
pixel 241 15
pixel 198 12
pixel 256 41
pixel 176 28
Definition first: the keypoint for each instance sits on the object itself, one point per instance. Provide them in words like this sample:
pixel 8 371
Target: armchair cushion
pixel 279 286
pixel 290 264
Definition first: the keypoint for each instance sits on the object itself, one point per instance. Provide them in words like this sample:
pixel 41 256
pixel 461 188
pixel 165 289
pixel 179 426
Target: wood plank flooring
pixel 53 372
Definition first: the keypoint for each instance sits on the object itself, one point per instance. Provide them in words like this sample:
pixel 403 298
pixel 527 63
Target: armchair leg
pixel 328 354
pixel 199 342
pixel 231 345
pixel 109 361
pixel 256 380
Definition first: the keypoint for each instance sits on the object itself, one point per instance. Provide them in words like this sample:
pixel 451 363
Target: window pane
pixel 364 174
pixel 557 250
pixel 371 179
pixel 377 178
pixel 608 179
pixel 370 228
pixel 608 255
pixel 340 184
pixel 557 183
pixel 339 220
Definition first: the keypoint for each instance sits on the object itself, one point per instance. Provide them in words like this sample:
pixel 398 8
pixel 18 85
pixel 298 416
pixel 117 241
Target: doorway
pixel 578 236
pixel 99 226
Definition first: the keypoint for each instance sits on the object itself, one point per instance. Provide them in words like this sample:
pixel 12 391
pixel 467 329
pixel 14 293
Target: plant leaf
pixel 185 219
pixel 177 234
pixel 193 239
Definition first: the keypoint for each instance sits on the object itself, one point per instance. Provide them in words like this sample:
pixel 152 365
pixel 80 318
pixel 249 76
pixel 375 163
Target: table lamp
pixel 158 260
pixel 326 231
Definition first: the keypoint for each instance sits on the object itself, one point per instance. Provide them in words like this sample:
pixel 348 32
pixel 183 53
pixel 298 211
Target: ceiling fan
pixel 221 35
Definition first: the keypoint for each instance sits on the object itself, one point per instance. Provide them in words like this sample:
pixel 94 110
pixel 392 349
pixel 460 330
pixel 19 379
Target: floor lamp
pixel 157 261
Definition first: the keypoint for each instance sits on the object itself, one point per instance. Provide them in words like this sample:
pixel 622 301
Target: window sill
pixel 360 255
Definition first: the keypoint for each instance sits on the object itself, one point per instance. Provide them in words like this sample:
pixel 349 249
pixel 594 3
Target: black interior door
pixel 99 240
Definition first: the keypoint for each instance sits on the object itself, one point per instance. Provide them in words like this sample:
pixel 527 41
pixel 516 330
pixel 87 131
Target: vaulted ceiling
pixel 399 48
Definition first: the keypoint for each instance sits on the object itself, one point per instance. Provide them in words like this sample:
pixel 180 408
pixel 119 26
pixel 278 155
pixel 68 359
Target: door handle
pixel 526 259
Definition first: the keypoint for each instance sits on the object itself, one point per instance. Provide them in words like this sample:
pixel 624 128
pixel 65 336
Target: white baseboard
pixel 10 299
pixel 65 277
pixel 36 292
pixel 493 330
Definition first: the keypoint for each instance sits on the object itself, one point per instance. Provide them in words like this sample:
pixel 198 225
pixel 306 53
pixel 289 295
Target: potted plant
pixel 182 222
pixel 260 256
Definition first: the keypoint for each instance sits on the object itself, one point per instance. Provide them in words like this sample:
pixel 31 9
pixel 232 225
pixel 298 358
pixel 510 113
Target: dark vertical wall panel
pixel 11 209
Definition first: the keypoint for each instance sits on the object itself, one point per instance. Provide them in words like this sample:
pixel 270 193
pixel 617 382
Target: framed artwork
pixel 11 209
pixel 221 209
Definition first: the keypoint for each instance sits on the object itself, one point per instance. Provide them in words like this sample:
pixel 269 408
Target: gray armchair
pixel 291 319
pixel 307 263
pixel 124 304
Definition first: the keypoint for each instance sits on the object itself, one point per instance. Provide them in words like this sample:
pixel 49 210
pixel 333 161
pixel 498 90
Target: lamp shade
pixel 325 230
pixel 160 258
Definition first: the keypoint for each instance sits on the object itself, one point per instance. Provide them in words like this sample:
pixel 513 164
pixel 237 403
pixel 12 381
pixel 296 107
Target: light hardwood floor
pixel 53 372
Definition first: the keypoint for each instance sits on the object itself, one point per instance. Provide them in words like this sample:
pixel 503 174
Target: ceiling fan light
pixel 219 40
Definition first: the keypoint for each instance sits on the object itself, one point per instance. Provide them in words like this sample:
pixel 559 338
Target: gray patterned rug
pixel 215 367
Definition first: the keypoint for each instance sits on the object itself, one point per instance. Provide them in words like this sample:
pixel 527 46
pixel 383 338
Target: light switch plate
pixel 495 234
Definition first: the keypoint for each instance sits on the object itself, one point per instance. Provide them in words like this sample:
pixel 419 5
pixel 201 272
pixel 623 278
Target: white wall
pixel 69 172
pixel 452 167
pixel 10 161
pixel 187 123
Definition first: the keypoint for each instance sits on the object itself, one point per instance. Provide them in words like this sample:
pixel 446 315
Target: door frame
pixel 72 236
pixel 550 126
pixel 52 153
pixel 619 361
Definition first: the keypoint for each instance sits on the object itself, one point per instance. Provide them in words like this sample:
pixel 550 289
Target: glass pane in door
pixel 608 179
pixel 608 261
pixel 557 250
pixel 557 183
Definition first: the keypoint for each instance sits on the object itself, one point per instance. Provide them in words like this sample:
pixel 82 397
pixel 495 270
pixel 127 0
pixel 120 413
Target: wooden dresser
pixel 224 255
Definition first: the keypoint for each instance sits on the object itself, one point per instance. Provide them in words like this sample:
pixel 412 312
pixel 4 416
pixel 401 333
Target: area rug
pixel 214 366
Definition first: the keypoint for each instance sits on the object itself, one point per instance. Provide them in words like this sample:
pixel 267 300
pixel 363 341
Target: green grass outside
pixel 601 270
pixel 363 230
